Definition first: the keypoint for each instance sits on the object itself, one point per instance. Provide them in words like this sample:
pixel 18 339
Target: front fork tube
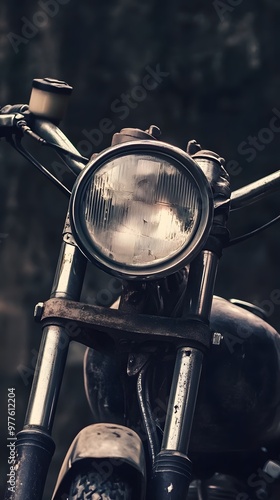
pixel 34 445
pixel 172 470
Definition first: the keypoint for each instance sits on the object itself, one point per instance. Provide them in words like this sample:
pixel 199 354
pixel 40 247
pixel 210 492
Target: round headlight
pixel 141 210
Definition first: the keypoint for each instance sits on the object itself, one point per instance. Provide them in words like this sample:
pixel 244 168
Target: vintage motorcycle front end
pixel 183 388
pixel 127 217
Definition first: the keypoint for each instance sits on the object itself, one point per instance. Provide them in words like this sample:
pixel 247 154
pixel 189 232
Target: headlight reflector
pixel 141 209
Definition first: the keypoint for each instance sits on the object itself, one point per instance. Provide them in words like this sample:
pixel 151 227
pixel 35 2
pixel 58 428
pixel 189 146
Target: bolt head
pixel 272 468
pixel 217 338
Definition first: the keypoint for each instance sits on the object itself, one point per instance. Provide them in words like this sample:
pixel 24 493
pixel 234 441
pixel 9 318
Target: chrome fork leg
pixel 55 342
pixel 182 399
pixel 48 375
pixel 34 445
pixel 172 469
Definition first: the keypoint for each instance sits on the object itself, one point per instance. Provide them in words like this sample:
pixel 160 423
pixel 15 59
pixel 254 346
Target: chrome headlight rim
pixel 184 163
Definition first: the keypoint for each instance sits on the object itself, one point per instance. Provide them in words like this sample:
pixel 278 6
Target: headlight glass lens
pixel 139 212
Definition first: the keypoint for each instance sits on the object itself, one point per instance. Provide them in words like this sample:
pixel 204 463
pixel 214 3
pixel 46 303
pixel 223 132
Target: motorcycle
pixel 183 385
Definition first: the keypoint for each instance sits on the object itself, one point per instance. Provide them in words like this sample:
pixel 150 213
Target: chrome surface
pixel 182 399
pixel 70 273
pixel 187 371
pixel 217 338
pixel 212 166
pixel 255 191
pixel 201 284
pixel 55 342
pixel 47 377
pixel 51 133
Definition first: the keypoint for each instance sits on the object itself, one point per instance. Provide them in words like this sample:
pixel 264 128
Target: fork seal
pixel 171 476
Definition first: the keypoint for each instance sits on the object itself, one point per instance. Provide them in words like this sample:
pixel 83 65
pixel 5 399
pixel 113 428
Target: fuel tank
pixel 238 405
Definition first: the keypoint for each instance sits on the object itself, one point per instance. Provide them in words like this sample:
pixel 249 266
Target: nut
pixel 217 338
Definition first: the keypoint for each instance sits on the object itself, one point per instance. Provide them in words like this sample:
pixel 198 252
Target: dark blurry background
pixel 218 81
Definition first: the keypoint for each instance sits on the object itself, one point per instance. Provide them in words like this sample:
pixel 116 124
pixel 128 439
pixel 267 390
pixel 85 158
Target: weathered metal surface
pixel 113 443
pixel 99 327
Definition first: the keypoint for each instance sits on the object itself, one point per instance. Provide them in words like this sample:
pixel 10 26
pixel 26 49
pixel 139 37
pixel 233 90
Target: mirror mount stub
pixel 136 134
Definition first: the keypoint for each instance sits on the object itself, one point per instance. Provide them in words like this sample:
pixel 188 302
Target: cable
pixel 147 415
pixel 60 149
pixel 22 125
pixel 17 145
pixel 244 237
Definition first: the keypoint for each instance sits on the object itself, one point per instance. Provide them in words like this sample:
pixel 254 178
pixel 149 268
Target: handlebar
pixel 255 191
pixel 10 115
pixel 13 109
pixel 51 133
pixel 7 117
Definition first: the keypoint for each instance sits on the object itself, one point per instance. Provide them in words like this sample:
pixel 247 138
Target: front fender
pixel 110 442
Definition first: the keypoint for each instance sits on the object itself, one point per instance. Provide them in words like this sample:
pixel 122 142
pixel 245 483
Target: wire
pixel 244 237
pixel 17 145
pixel 60 149
pixel 22 125
pixel 147 415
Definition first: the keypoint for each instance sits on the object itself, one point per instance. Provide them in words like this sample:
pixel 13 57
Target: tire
pixel 90 486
